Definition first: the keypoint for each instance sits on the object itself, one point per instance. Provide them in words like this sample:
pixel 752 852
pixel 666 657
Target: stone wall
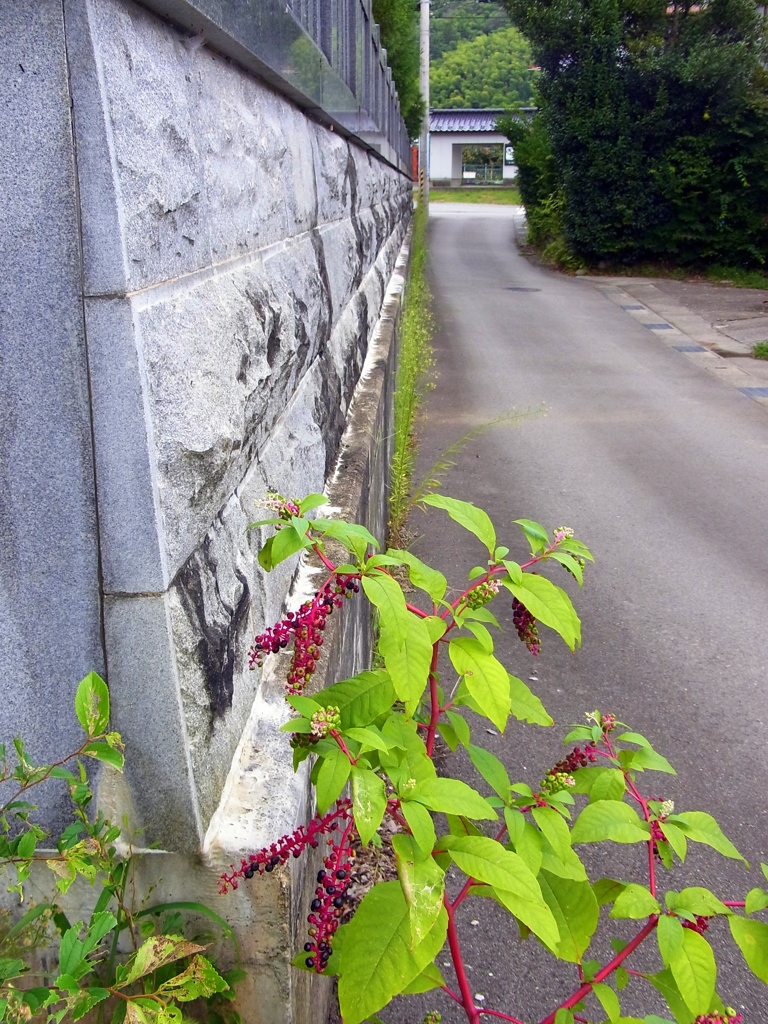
pixel 197 269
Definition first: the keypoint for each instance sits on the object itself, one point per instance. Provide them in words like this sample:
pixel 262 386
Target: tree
pixel 399 24
pixel 489 71
pixel 657 120
pixel 455 21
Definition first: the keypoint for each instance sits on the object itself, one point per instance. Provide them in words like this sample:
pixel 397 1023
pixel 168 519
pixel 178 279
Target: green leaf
pixel 423 883
pixel 491 769
pixel 305 706
pixel 554 829
pixel 387 596
pixel 697 901
pixel 155 953
pixel 752 939
pixel 467 515
pixel 609 820
pixel 369 801
pixel 675 837
pixel 608 1000
pixel 311 502
pixel 607 784
pixel 576 913
pixel 379 959
pixel 645 758
pixel 429 978
pixel 421 825
pixel 460 726
pixel 527 840
pixel 549 605
pixel 452 796
pixel 535 533
pixel 525 705
pixel 71 950
pixel 634 902
pixel 361 699
pixel 408 659
pixel 607 890
pixel 369 737
pixel 288 541
pixel 354 537
pixel 691 961
pixel 570 563
pixel 102 751
pixel 422 575
pixel 92 704
pixel 514 884
pixel 331 778
pixel 757 899
pixel 700 827
pixel 485 677
pixel 410 759
pixel 87 999
pixel 664 982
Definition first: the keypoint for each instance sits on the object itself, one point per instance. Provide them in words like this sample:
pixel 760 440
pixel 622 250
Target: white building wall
pixel 445 150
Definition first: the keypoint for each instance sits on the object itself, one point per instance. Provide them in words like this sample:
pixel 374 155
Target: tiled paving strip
pixel 687 333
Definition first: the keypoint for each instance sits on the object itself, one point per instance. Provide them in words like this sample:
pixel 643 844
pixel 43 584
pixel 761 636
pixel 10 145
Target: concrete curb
pixel 263 798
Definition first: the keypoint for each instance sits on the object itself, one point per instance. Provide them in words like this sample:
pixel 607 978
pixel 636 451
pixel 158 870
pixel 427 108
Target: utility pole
pixel 424 87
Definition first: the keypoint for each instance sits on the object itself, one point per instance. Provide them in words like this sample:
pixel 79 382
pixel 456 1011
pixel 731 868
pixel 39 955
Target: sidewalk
pixel 716 326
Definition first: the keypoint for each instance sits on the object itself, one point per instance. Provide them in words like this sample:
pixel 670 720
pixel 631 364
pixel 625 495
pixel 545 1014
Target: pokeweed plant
pixel 514 842
pixel 162 969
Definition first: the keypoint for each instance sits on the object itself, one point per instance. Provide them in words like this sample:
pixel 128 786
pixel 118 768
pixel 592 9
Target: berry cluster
pixel 305 627
pixel 577 758
pixel 556 782
pixel 525 624
pixel 729 1017
pixel 328 905
pixel 433 1017
pixel 281 506
pixel 481 594
pixel 293 845
pixel 325 721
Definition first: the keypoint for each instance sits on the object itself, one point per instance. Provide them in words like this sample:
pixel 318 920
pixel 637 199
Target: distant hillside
pixel 489 70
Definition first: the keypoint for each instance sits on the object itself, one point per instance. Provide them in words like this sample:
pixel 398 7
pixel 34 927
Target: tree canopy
pixel 456 21
pixel 399 24
pixel 488 71
pixel 653 127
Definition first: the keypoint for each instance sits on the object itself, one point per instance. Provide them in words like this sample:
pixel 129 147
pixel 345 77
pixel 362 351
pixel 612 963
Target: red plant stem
pixel 473 1014
pixel 498 1013
pixel 435 701
pixel 340 740
pixel 609 968
pixel 651 842
pixel 734 903
pixel 451 993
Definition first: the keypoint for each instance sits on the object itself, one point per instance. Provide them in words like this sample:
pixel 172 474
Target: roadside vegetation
pixel 499 196
pixel 414 376
pixel 398 21
pixel 660 157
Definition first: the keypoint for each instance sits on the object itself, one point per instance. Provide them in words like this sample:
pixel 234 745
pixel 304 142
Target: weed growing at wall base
pixel 164 969
pixel 515 842
pixel 413 374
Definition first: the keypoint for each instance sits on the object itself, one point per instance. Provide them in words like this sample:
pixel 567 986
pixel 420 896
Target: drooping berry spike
pixel 526 627
pixel 293 845
pixel 305 628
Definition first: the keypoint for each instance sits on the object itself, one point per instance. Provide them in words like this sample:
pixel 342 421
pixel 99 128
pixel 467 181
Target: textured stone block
pixel 49 582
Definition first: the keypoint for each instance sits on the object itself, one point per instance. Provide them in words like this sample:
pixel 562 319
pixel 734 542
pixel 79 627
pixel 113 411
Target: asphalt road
pixel 662 468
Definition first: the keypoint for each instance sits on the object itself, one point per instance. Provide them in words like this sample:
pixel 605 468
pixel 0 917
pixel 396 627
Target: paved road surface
pixel 661 466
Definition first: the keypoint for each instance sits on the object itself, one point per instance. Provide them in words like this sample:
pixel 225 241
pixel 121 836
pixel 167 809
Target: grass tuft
pixel 760 350
pixel 497 196
pixel 415 373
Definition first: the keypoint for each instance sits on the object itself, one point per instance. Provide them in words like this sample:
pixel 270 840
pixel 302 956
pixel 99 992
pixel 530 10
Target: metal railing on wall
pixel 325 55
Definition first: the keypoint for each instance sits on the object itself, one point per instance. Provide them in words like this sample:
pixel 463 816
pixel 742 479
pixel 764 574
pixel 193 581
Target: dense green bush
pixel 399 24
pixel 657 123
